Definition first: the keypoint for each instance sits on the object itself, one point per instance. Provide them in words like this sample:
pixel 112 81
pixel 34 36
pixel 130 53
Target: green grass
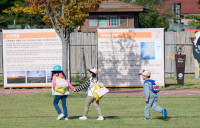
pixel 37 111
pixel 189 83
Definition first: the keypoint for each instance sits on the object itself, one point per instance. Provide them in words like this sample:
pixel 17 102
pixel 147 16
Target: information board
pixel 29 57
pixel 124 53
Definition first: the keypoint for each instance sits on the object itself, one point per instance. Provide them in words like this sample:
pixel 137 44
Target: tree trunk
pixel 65 57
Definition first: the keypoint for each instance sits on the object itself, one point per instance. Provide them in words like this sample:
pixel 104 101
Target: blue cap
pixel 56 68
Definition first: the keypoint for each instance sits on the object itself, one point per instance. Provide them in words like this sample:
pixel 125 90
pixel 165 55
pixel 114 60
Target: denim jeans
pixel 63 99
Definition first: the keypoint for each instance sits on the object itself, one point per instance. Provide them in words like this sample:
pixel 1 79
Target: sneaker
pixel 146 119
pixel 83 118
pixel 60 116
pixel 164 112
pixel 100 118
pixel 66 119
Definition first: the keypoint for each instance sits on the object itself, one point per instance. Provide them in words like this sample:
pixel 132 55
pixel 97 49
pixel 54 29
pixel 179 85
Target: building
pixel 187 7
pixel 113 14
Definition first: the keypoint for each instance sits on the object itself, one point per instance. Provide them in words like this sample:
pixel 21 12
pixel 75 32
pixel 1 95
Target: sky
pixel 36 73
pixel 15 73
pixel 48 73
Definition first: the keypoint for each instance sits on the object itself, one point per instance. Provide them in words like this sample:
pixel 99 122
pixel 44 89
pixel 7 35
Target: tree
pixel 156 17
pixel 11 10
pixel 63 16
pixel 153 19
pixel 4 18
pixel 21 13
pixel 195 21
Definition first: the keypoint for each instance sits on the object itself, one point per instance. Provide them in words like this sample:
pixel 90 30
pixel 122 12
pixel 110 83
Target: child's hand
pixel 74 90
pixel 143 96
pixel 146 100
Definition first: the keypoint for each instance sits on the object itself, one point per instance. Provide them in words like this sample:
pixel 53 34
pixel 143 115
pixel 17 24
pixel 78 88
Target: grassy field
pixel 37 111
pixel 36 80
pixel 189 83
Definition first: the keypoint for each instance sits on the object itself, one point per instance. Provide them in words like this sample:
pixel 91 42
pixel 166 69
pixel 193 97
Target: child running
pixel 150 97
pixel 57 72
pixel 90 94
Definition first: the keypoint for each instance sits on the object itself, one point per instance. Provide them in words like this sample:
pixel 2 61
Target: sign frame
pixel 136 34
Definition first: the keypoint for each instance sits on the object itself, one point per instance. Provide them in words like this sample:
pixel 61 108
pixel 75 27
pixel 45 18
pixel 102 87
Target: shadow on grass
pixel 164 119
pixel 111 117
pixel 105 117
pixel 171 117
pixel 74 117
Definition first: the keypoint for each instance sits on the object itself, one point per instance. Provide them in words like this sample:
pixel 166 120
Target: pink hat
pixel 94 70
pixel 145 73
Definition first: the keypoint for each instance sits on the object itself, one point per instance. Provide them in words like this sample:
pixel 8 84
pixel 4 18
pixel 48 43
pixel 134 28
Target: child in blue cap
pixel 58 73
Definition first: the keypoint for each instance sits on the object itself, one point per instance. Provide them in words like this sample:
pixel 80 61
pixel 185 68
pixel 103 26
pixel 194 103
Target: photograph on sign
pixel 123 53
pixel 29 57
pixel 15 77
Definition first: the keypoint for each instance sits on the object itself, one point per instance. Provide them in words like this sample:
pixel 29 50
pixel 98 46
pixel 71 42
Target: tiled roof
pixel 119 6
pixel 187 6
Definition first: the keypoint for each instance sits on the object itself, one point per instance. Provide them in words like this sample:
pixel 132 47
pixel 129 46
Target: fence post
pixel 175 48
pixel 80 68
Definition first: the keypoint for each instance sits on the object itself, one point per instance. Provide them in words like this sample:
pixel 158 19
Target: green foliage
pixel 22 18
pixel 195 21
pixel 8 3
pixel 148 3
pixel 153 19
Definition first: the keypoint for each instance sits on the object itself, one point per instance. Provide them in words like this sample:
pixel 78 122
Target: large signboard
pixel 123 53
pixel 29 57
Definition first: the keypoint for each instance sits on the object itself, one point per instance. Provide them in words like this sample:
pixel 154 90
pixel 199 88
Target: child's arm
pixel 85 85
pixel 146 91
pixel 70 86
pixel 54 81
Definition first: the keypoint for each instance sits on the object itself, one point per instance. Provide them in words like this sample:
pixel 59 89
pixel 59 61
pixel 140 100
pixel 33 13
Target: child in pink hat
pixel 150 97
pixel 90 94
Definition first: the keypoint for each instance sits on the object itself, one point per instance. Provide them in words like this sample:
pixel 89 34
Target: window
pixel 103 21
pixel 136 21
pixel 108 21
pixel 92 21
pixel 113 21
pixel 122 21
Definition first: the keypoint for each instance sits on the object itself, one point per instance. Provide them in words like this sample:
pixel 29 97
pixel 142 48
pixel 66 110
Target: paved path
pixel 112 91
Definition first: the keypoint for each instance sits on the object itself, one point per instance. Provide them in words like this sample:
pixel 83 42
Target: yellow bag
pixel 96 87
pixel 60 90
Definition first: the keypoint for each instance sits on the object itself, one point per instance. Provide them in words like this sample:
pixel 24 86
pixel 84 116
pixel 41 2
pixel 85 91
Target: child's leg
pixel 155 107
pixel 55 103
pixel 96 104
pixel 63 99
pixel 147 108
pixel 88 101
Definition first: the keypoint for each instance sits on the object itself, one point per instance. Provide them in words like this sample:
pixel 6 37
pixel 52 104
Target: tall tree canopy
pixel 156 18
pixel 5 19
pixel 22 18
pixel 62 15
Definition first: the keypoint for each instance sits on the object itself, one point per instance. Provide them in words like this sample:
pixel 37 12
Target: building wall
pixel 185 21
pixel 130 21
